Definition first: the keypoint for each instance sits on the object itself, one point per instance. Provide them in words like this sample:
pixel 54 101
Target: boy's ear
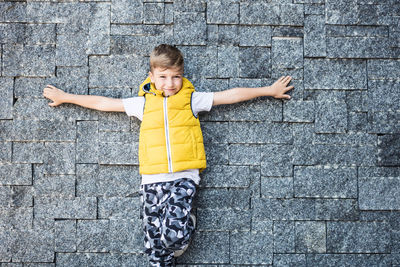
pixel 151 76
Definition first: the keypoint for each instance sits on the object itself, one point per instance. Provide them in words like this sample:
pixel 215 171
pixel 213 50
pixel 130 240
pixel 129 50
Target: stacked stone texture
pixel 313 181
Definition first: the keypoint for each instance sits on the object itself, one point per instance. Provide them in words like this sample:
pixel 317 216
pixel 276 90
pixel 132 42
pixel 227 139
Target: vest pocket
pixel 194 142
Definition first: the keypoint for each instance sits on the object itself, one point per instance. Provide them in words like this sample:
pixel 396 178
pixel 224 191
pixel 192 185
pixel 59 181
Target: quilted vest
pixel 170 137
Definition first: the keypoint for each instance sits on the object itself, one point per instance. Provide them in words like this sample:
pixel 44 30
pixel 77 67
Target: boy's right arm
pixel 88 101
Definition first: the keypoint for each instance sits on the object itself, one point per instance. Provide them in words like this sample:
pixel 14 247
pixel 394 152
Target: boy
pixel 171 150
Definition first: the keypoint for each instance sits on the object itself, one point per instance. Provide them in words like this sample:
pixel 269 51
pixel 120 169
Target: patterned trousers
pixel 167 226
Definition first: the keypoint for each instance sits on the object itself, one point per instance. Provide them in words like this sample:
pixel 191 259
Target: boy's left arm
pixel 235 95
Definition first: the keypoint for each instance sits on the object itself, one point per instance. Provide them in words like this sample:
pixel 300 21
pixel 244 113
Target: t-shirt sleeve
pixel 134 106
pixel 202 101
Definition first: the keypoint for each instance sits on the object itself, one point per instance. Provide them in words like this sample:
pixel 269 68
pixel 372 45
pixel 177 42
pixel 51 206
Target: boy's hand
pixel 56 95
pixel 279 88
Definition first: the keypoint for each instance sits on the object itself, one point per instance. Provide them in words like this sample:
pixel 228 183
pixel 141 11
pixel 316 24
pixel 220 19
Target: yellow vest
pixel 170 135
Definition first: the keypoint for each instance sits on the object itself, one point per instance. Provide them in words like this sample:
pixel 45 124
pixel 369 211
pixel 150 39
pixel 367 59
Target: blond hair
pixel 166 56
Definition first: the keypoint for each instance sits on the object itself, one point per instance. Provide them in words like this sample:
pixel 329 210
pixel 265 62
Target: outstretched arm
pixel 235 95
pixel 88 101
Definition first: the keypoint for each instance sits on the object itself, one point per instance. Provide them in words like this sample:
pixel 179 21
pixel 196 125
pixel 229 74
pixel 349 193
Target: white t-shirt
pixel 134 106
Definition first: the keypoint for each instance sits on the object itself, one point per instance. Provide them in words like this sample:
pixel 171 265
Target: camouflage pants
pixel 167 227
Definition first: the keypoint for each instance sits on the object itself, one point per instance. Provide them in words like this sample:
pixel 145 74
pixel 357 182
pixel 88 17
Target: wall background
pixel 313 181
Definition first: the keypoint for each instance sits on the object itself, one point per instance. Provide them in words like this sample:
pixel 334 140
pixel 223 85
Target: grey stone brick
pixel 190 28
pixel 124 11
pixel 43 130
pixel 107 181
pixel 314 36
pixel 153 13
pixel 200 62
pixel 6 98
pixel 226 176
pixel 277 187
pixel 255 62
pixel 28 152
pixel 357 121
pixel 6 130
pixel 13 12
pixel 223 220
pixel 59 158
pixel 27 33
pixel 383 122
pixel 357 100
pixel 29 108
pixel 314 9
pixel 287 52
pixel 383 95
pixel 228 35
pixel 5 151
pixel 260 109
pixel 16 218
pixel 215 132
pixel 119 137
pixel 282 260
pixel 349 139
pixel 383 69
pixel 65 235
pixel 52 185
pixel 348 31
pixel 70 51
pixel 260 132
pixel 115 122
pixel 212 34
pixel 119 153
pixel 228 61
pixel 287 31
pixel 284 237
pixel 304 209
pixel 137 45
pixel 169 13
pixel 217 154
pixel 16 196
pixel 58 208
pixel 379 193
pixel 276 160
pixel 34 245
pixel 87 142
pixel 298 111
pixel 331 113
pixel 190 5
pixel 15 174
pixel 335 74
pixel 359 47
pixel 99 29
pixel 126 236
pixel 119 207
pixel 93 235
pixel 388 150
pixel 271 14
pixel 358 237
pixel 28 60
pixel 231 198
pixel 217 10
pixel 347 260
pixel 310 237
pixel 255 35
pixel 341 12
pixel 116 71
pixel 207 247
pixel 100 259
pixel 7 240
pixel 346 155
pixel 376 14
pixel 325 181
pixel 244 154
pixel 251 247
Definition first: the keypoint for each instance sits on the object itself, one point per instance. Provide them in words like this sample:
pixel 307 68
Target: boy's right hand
pixel 53 93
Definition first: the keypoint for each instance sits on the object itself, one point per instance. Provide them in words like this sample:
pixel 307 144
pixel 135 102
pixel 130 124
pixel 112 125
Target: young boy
pixel 171 150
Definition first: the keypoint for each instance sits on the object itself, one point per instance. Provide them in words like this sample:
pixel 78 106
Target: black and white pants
pixel 167 226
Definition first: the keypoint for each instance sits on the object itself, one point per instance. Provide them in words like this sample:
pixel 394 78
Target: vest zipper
pixel 167 135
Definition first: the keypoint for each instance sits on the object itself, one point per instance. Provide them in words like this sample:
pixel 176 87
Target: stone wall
pixel 313 181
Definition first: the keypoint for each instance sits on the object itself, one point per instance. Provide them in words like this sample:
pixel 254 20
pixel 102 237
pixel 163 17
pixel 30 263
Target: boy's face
pixel 167 80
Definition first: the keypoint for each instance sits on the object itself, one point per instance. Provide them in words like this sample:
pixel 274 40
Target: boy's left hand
pixel 279 88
